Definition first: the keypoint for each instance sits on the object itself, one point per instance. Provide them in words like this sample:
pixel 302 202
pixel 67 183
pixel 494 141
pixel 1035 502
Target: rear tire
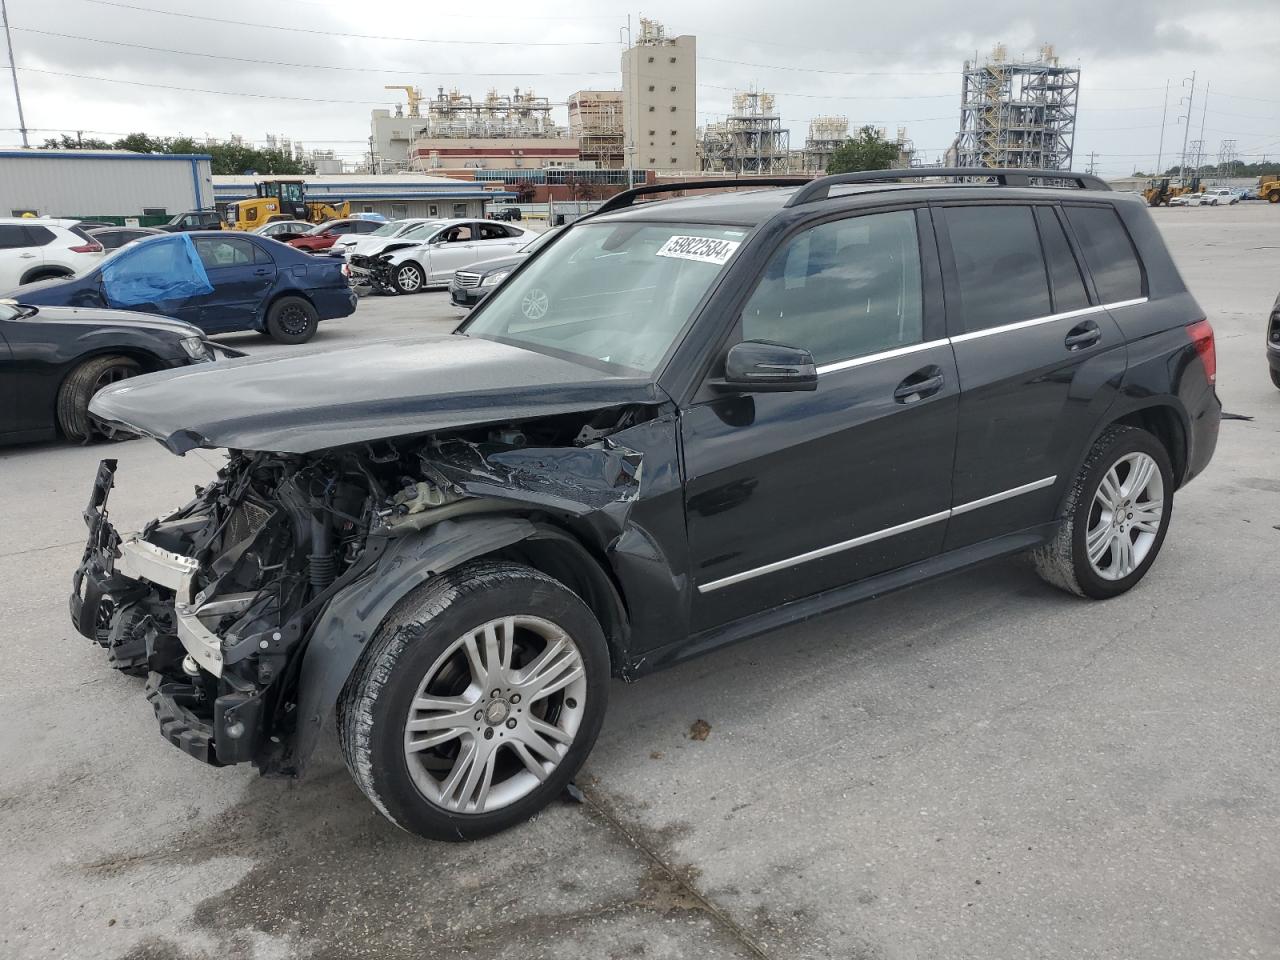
pixel 292 320
pixel 409 278
pixel 1114 518
pixel 78 389
pixel 1273 196
pixel 1275 377
pixel 514 718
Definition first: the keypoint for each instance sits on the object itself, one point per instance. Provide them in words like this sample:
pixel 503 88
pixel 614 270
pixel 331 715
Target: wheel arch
pixel 148 361
pixel 342 632
pixel 1162 417
pixel 279 295
pixel 46 272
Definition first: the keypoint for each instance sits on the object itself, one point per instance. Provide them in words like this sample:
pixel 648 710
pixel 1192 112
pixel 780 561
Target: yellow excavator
pixel 1269 187
pixel 1159 192
pixel 280 199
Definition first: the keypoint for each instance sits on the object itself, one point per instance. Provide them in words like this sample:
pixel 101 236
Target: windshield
pixel 291 192
pixel 422 230
pixel 389 229
pixel 618 293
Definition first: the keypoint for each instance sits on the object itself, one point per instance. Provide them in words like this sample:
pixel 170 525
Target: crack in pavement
pixel 601 807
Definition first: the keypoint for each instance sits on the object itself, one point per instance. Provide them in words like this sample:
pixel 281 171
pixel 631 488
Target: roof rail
pixel 627 198
pixel 820 189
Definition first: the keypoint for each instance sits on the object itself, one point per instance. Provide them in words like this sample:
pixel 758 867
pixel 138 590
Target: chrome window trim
pixel 876 535
pixel 883 355
pixel 975 335
pixel 1036 321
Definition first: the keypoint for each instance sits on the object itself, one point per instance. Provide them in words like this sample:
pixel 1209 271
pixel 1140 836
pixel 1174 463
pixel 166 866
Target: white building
pixel 104 184
pixel 659 78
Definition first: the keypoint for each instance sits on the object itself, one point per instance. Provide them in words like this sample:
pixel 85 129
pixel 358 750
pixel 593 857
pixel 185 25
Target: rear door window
pixel 1064 273
pixel 999 267
pixel 220 252
pixel 43 236
pixel 844 289
pixel 1108 252
pixel 12 236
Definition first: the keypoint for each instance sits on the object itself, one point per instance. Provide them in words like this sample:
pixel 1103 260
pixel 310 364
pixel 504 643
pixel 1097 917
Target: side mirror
pixel 760 366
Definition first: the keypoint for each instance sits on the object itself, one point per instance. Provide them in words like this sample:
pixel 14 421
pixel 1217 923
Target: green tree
pixel 228 158
pixel 66 142
pixel 867 151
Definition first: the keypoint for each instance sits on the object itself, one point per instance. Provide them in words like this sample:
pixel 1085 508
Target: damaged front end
pixel 219 602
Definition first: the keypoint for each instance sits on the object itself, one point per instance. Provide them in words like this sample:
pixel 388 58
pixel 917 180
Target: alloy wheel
pixel 408 278
pixel 495 715
pixel 1125 516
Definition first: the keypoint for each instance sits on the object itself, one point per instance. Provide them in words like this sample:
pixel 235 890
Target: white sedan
pixel 428 258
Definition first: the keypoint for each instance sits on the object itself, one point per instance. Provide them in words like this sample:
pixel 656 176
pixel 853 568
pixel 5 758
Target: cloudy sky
pixel 312 69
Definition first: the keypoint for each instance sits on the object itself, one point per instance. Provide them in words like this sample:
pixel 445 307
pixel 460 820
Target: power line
pixel 168 86
pixel 310 66
pixel 836 96
pixel 358 36
pixel 838 73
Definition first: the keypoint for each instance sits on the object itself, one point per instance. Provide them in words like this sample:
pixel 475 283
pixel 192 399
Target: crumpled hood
pixel 314 400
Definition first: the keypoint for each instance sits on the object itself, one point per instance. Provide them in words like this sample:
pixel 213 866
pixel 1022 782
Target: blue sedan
pixel 217 280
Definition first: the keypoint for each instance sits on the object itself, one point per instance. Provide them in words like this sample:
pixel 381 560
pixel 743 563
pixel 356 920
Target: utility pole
pixel 1186 122
pixel 1164 116
pixel 372 170
pixel 1203 113
pixel 13 68
pixel 1093 165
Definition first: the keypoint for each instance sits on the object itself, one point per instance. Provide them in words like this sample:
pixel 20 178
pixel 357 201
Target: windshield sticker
pixel 703 249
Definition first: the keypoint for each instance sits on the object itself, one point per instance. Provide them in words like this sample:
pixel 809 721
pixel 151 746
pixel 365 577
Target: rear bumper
pixel 1205 420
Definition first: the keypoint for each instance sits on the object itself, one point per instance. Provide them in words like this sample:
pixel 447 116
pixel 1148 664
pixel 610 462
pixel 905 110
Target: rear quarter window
pixel 1108 252
pixel 43 236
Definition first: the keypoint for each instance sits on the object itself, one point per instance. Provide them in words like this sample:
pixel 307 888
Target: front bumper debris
pixel 116 571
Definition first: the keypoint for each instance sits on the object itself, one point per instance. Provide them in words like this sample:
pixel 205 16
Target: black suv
pixel 676 425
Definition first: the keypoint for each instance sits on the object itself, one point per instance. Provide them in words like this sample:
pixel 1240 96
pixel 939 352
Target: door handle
pixel 26 256
pixel 1083 335
pixel 261 272
pixel 921 384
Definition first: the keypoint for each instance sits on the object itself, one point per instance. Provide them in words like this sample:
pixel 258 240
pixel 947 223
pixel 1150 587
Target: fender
pixel 342 632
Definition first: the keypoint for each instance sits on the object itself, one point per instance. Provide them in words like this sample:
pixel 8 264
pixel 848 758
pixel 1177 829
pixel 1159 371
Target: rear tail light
pixel 93 246
pixel 1202 337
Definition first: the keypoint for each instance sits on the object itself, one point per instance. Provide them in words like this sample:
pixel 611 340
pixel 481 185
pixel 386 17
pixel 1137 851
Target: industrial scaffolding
pixel 497 116
pixel 826 136
pixel 749 140
pixel 1018 113
pixel 595 121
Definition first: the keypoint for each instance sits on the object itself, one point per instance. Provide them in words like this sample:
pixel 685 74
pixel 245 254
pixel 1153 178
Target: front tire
pixel 80 386
pixel 292 320
pixel 409 278
pixel 1114 518
pixel 1275 377
pixel 477 701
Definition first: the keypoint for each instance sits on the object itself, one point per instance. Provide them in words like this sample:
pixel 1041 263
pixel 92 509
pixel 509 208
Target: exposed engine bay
pixel 217 602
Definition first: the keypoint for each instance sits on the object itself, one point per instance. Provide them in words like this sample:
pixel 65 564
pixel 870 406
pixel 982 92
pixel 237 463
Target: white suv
pixel 34 249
